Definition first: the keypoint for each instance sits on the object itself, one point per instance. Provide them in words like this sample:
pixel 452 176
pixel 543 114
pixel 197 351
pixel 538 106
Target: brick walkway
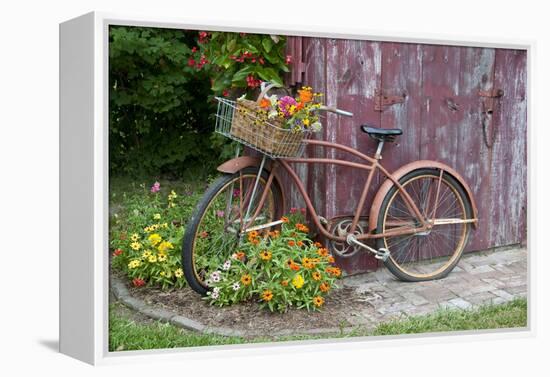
pixel 481 278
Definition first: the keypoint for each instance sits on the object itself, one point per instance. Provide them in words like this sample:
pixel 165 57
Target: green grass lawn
pixel 129 333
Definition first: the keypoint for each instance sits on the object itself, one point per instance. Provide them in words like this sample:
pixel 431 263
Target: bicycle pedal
pixel 382 254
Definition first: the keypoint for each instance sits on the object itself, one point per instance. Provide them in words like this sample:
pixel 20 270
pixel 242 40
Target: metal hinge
pixel 493 93
pixel 381 101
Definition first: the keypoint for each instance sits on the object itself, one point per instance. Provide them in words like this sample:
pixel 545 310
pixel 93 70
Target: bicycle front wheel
pixel 213 232
pixel 430 254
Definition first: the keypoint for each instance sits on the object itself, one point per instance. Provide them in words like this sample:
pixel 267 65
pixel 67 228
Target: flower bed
pixel 145 237
pixel 281 269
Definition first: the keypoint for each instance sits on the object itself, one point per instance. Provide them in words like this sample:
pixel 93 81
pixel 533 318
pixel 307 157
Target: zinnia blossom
pixel 155 187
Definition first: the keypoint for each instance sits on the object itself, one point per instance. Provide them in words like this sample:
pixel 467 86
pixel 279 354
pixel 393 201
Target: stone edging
pixel 119 290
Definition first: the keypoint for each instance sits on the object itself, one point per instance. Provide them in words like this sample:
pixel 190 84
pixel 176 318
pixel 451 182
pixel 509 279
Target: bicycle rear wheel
pixel 434 253
pixel 213 232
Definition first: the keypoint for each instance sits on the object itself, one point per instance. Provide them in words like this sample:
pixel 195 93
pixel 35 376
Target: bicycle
pixel 419 220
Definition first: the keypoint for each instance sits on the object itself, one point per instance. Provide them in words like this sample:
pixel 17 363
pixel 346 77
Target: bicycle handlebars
pixel 337 111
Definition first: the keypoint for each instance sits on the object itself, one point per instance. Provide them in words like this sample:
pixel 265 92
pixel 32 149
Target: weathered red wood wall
pixel 443 117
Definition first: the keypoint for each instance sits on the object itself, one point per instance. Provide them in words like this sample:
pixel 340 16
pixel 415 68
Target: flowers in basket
pixel 295 113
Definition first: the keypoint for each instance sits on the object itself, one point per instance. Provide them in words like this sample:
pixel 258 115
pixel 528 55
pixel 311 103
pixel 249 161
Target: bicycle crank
pixel 381 254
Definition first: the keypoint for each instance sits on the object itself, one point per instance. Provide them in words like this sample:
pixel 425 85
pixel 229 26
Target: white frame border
pixel 100 283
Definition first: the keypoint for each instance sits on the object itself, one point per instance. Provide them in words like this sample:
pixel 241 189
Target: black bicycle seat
pixel 381 134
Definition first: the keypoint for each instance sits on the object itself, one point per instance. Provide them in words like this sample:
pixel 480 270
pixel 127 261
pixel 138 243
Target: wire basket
pixel 241 121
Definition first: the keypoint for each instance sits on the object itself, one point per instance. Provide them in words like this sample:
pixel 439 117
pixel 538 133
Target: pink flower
pixel 155 187
pixel 191 62
pixel 285 103
pixel 303 210
pixel 220 213
pixel 288 59
pixel 236 193
pixel 293 210
pixel 138 282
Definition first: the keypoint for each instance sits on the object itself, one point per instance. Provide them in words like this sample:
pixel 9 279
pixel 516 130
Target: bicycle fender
pixel 406 169
pixel 239 163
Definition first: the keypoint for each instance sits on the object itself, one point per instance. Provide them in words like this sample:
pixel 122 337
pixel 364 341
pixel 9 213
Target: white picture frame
pixel 84 280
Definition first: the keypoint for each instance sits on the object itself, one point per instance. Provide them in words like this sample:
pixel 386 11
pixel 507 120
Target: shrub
pixel 159 112
pixel 281 269
pixel 146 237
pixel 240 60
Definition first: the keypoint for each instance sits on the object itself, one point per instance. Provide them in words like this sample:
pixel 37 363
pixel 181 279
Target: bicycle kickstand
pixel 381 254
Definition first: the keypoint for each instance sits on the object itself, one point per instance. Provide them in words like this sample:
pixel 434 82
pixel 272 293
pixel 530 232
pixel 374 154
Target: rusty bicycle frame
pixel 425 220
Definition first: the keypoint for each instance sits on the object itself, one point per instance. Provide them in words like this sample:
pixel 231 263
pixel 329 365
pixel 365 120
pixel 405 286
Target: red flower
pixel 203 37
pixel 261 60
pixel 138 282
pixel 225 93
pixel 194 49
pixel 191 62
pixel 293 210
pixel 117 252
pixel 242 34
pixel 252 82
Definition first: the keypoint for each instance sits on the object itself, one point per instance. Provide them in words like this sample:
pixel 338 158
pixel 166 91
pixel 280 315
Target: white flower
pixel 273 99
pixel 216 290
pixel 215 295
pixel 215 276
pixel 316 127
pixel 272 114
pixel 234 256
pixel 236 286
pixel 227 265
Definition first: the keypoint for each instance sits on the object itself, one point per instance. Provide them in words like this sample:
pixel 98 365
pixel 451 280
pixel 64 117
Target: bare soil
pixel 249 317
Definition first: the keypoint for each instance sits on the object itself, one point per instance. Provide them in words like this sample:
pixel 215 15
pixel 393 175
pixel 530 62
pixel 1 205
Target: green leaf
pixel 267 43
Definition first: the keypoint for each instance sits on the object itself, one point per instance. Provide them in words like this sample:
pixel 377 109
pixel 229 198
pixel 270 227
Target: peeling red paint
pixel 442 119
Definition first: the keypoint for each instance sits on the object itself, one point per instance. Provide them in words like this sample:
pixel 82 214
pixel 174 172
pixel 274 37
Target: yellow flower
pixel 178 273
pixel 298 281
pixel 164 225
pixel 152 259
pixel 134 237
pixel 172 195
pixel 265 255
pixel 165 245
pixel 306 122
pixel 155 238
pixel 134 264
pixel 156 216
pixel 246 279
pixel 162 257
pixel 162 273
pixel 146 254
pixel 154 227
pixel 318 301
pixel 135 245
pixel 147 229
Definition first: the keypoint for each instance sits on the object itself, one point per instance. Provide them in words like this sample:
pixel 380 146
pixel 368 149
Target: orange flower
pixel 284 283
pixel 291 243
pixel 300 243
pixel 324 287
pixel 300 106
pixel 302 228
pixel 267 295
pixel 252 233
pixel 322 251
pixel 334 271
pixel 246 279
pixel 254 241
pixel 284 219
pixel 305 95
pixel 293 266
pixel 204 234
pixel 265 255
pixel 318 244
pixel 318 301
pixel 330 259
pixel 265 103
pixel 240 255
pixel 316 276
pixel 274 234
pixel 307 263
